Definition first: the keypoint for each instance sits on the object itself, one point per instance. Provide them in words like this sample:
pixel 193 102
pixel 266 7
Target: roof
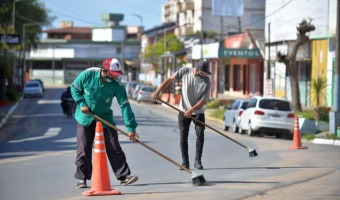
pixel 161 27
pixel 257 36
pixel 70 30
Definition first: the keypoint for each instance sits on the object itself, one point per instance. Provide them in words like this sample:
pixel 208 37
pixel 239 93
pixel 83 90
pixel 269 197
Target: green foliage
pixel 308 137
pixel 307 114
pixel 213 104
pixel 322 113
pixel 11 96
pixel 31 13
pixel 218 113
pixel 153 52
pixel 318 85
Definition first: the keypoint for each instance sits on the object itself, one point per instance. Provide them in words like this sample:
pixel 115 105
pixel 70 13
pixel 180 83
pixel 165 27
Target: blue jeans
pixel 184 125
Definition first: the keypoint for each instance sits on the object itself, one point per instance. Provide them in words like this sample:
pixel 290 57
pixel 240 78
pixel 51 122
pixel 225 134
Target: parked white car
pixel 32 89
pixel 270 115
pixel 233 113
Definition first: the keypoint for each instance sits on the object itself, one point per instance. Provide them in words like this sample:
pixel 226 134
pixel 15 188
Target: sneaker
pixel 81 184
pixel 128 180
pixel 186 165
pixel 198 164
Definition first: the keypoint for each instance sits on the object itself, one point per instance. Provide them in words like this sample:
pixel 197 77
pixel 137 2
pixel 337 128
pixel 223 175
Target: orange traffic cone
pixel 100 184
pixel 297 137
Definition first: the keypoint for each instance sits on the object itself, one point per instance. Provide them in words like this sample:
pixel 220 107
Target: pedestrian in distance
pixel 93 91
pixel 195 94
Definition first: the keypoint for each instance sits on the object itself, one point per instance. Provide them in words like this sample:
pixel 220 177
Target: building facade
pixel 68 50
pixel 315 59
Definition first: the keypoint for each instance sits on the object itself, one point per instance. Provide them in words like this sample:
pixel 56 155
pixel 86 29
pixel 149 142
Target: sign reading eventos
pixel 239 53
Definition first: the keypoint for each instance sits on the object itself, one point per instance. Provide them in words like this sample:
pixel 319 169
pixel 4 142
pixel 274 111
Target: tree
pixel 153 52
pixel 26 12
pixel 290 61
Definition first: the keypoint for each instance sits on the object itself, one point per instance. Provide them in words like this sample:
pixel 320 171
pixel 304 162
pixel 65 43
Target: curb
pixel 326 141
pixel 9 113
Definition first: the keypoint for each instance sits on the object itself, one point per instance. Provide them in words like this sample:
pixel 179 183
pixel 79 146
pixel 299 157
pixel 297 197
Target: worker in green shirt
pixel 93 91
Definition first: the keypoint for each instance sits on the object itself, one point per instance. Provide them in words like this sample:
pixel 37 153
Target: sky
pixel 87 13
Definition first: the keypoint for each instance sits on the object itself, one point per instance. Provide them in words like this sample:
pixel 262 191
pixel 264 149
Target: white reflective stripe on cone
pixel 99 141
pixel 99 134
pixel 99 150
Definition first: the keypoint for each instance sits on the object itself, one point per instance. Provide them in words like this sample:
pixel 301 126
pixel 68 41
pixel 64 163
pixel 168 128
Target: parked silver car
pixel 32 89
pixel 233 113
pixel 144 93
pixel 270 115
pixel 137 88
pixel 130 88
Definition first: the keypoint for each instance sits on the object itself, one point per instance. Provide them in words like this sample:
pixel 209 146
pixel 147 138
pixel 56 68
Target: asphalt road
pixel 37 152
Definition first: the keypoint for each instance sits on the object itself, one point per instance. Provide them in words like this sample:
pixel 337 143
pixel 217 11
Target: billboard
pixel 227 8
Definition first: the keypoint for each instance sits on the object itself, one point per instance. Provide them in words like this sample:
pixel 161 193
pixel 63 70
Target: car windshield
pixel 274 104
pixel 32 85
pixel 147 89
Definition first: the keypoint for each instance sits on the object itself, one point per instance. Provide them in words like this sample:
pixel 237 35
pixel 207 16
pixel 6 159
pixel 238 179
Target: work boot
pixel 81 184
pixel 186 165
pixel 198 164
pixel 128 180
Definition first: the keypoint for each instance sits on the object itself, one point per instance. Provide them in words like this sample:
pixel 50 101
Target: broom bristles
pixel 252 152
pixel 197 179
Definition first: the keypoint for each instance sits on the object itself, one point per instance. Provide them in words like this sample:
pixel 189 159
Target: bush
pixel 321 113
pixel 307 114
pixel 213 104
pixel 219 113
pixel 11 96
pixel 308 137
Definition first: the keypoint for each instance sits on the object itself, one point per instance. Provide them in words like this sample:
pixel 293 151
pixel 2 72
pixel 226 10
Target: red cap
pixel 113 66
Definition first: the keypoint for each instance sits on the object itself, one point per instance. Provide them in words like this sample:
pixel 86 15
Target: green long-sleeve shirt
pixel 88 89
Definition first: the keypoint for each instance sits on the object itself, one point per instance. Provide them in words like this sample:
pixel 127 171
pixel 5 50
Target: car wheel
pixel 250 131
pixel 225 127
pixel 240 130
pixel 235 127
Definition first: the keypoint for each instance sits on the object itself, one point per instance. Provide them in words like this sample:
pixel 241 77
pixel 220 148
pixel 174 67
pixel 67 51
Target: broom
pixel 197 178
pixel 252 152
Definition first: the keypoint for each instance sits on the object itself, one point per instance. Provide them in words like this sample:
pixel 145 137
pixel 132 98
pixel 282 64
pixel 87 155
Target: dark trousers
pixel 184 125
pixel 115 154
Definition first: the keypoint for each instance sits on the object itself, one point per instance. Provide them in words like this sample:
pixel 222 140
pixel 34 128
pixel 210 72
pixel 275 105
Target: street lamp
pixel 24 47
pixel 13 13
pixel 140 17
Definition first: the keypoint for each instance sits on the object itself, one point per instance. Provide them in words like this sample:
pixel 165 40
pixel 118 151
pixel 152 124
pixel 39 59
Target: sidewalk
pixel 6 112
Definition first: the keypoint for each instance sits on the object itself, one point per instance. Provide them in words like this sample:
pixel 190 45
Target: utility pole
pixel 334 116
pixel 201 36
pixel 268 67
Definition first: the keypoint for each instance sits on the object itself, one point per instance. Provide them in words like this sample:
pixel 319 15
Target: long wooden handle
pixel 141 143
pixel 204 124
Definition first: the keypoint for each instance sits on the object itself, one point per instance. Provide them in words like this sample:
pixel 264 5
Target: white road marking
pixel 51 132
pixel 55 101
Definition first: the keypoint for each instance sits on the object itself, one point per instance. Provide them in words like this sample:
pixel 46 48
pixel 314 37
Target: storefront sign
pixel 10 39
pixel 207 51
pixel 239 53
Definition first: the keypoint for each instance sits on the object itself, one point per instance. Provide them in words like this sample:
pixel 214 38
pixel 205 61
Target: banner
pixel 227 7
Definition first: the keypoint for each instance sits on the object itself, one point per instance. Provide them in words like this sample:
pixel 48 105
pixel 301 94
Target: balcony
pixel 184 6
pixel 184 30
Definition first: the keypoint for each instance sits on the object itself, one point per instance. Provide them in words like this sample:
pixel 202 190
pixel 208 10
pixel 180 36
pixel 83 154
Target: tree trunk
pixel 2 86
pixel 294 83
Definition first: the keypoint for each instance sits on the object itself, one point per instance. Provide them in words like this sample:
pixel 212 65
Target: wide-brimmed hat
pixel 203 65
pixel 112 65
